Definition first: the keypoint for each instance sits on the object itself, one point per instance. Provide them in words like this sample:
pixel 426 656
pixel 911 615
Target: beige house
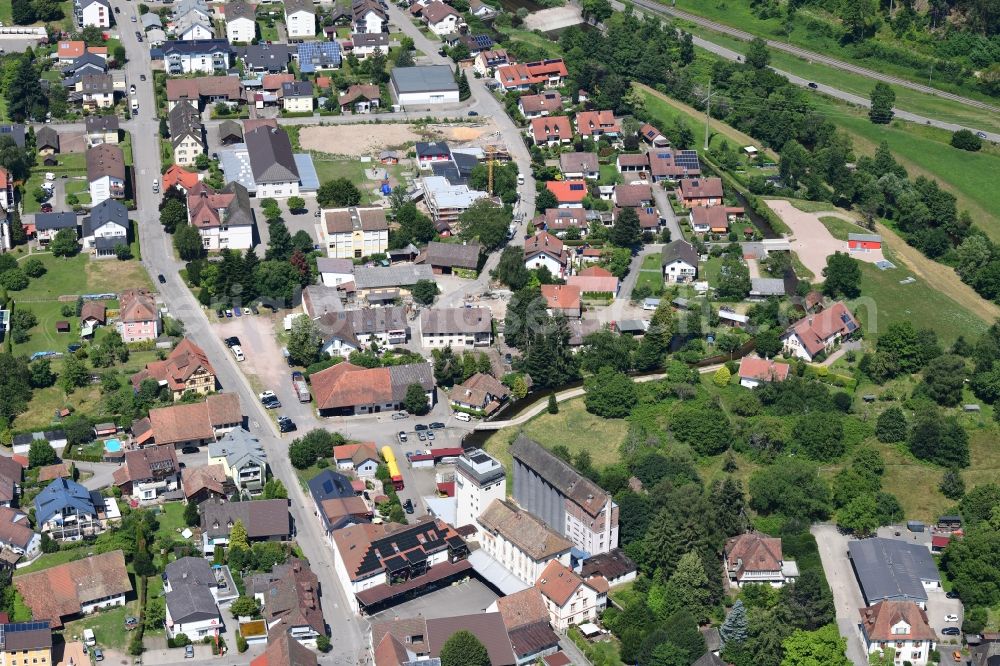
pixel 351 233
pixel 570 599
pixel 521 542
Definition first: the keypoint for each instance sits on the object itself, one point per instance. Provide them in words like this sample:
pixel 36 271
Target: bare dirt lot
pixel 368 138
pixel 811 240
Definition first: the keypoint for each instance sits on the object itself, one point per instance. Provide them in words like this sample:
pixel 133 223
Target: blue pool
pixel 113 446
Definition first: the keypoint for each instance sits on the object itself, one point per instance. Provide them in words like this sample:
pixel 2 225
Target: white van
pixel 238 353
pixel 462 416
pixel 88 637
pixel 520 179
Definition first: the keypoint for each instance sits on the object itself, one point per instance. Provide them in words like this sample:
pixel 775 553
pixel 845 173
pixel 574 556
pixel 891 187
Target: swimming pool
pixel 112 445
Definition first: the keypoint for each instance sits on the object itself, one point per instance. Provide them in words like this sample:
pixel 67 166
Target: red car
pixel 46 208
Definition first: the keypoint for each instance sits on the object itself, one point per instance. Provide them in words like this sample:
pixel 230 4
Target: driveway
pixel 847 597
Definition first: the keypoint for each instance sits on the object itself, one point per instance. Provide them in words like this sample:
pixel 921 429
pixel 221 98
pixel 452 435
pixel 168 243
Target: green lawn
pixel 610 175
pixel 81 275
pixel 72 165
pixel 108 626
pixel 171 519
pixel 909 100
pixel 651 274
pixel 737 13
pixel 710 271
pixel 536 40
pixel 49 560
pixel 925 150
pixel 840 228
pixel 885 301
pixel 573 427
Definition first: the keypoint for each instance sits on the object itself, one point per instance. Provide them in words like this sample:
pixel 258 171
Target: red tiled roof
pixel 814 330
pixel 763 369
pixel 594 283
pixel 561 296
pixel 544 243
pixel 551 128
pixel 567 191
pixel 753 551
pixel 701 188
pixel 344 385
pixel 588 122
pixel 558 583
pixel 880 620
pixel 137 305
pixel 185 360
pixel 547 68
pixel 61 590
pixel 178 175
pixel 512 76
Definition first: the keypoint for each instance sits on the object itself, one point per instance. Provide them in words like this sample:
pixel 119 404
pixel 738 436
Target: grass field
pixel 926 151
pixel 885 301
pixel 573 427
pixel 840 228
pixel 108 626
pixel 913 101
pixel 550 47
pixel 737 13
pixel 329 167
pixel 171 520
pixel 53 559
pixel 63 277
pixel 651 274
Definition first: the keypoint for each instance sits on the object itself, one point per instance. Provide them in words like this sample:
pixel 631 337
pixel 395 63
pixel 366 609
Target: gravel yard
pixel 369 138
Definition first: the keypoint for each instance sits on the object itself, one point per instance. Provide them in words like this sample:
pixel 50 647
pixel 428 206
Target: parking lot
pixel 465 598
pixel 847 597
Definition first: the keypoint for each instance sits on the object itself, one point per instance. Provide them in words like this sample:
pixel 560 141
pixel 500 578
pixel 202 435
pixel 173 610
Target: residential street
pixel 847 597
pixel 667 211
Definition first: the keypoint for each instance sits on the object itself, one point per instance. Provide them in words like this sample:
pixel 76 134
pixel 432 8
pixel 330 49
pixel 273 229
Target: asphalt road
pixel 664 10
pixel 347 632
pixel 847 599
pixel 811 55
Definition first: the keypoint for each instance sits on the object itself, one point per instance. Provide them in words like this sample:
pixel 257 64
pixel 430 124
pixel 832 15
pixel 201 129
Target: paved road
pixel 347 634
pixel 847 598
pixel 811 55
pixel 663 10
pixel 667 211
pixel 103 473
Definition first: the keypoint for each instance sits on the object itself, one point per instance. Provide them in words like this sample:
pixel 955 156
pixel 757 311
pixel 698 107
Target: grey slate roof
pixel 892 569
pixel 347 325
pixel 270 57
pixel 15 131
pixel 190 598
pixel 184 120
pixel 54 221
pixel 47 137
pixel 767 286
pixel 330 485
pixel 378 277
pixel 102 124
pixel 263 519
pixel 456 320
pixel 109 210
pixel 401 376
pixel 196 47
pixel 426 78
pixel 271 157
pixel 296 89
pixel 679 249
pixel 453 255
pixel 150 20
pixel 238 446
pixel 558 473
pixel 239 9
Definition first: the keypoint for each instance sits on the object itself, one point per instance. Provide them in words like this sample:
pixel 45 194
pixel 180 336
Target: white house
pixel 241 28
pixel 570 599
pixel 300 19
pixel 545 250
pixel 16 533
pixel 297 97
pixel 190 586
pixel 369 16
pixel 224 219
pixel 757 558
pixel 456 327
pixel 193 27
pixel 205 56
pixel 352 330
pixel 107 226
pixel 820 332
pixel 355 232
pixel 901 625
pixel 441 19
pixel 96 13
pixel 520 541
pixel 679 261
pixel 243 459
pixel 105 172
pixel 362 458
pixel 335 272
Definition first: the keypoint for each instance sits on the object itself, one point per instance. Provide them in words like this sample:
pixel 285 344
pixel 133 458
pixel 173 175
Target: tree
pixel 415 401
pixel 41 374
pixel 64 244
pixel 938 439
pixel 757 55
pixel 78 429
pixel 734 280
pixel 977 505
pixel 18 236
pixel 187 242
pixel 688 587
pixel 792 489
pixel 464 92
pixel 859 515
pixel 734 629
pixel 275 489
pixel 424 291
pixel 14 280
pixel 238 536
pixel 510 269
pixel 155 613
pixel 279 245
pixel 244 606
pixel 277 281
pixel 768 343
pixel 626 231
pixel 843 276
pixel 74 374
pixel 338 193
pixel 546 199
pixel 610 394
pixel 822 646
pixel 882 100
pixel 809 600
pixel 41 453
pixel 26 99
pixel 303 341
pixel 944 378
pixel 964 139
pixel 486 222
pixel 553 406
pixel 191 516
pixel 463 649
pixel 33 268
pixel 296 204
pixel 820 435
pixel 22 12
pixel 173 214
pixel 952 486
pixel 891 426
pixel 722 376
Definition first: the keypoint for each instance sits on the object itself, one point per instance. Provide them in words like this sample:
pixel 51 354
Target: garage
pixel 430 85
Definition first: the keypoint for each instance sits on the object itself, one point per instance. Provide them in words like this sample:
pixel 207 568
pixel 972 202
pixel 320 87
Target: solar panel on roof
pixel 575 186
pixel 663 156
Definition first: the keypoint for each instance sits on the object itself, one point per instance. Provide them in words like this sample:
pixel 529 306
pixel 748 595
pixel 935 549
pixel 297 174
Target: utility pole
pixel 708 112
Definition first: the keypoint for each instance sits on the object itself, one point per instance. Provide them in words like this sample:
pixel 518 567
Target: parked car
pixel 951 631
pixel 98 654
pixel 285 424
pixel 981 135
pixel 142 77
pixel 46 207
pixel 408 506
pixel 813 85
pixel 131 623
pixel 161 279
pixel 232 341
pixel 399 415
pixel 421 436
pixel 420 426
pixel 430 435
pixel 189 652
pixel 462 416
pixel 437 425
pixel 951 617
pixel 238 353
pixel 473 113
pixel 952 595
pixel 401 436
pixel 190 449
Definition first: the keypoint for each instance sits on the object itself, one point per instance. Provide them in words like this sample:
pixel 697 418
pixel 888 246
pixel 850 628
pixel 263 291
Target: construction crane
pixel 490 151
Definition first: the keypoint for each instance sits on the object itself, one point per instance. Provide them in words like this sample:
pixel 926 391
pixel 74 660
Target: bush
pixel 323 643
pixel 964 139
pixel 241 644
